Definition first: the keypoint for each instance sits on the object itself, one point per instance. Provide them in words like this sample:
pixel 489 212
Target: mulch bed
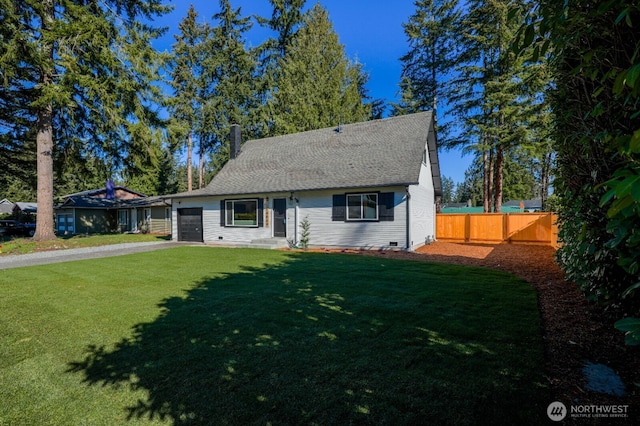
pixel 574 331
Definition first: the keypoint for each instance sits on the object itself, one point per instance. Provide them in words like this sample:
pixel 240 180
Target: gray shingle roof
pixel 374 153
pixel 102 191
pixel 88 202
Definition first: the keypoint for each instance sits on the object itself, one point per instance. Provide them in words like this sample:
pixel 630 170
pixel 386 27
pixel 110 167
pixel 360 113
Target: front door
pixel 280 217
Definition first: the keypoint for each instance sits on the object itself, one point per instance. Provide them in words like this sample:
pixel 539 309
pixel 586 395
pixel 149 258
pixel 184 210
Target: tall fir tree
pixel 82 69
pixel 492 96
pixel 431 56
pixel 187 73
pixel 285 20
pixel 317 85
pixel 231 94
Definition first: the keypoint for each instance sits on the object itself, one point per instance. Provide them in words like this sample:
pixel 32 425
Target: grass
pixel 198 335
pixel 11 245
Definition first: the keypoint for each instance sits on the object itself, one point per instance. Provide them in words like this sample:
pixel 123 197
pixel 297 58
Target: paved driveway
pixel 57 256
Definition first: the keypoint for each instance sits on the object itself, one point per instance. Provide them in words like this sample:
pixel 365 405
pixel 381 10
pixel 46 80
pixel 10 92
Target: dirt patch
pixel 575 332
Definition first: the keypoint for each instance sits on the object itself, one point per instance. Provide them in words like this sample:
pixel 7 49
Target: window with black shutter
pixel 338 212
pixel 386 206
pixel 373 207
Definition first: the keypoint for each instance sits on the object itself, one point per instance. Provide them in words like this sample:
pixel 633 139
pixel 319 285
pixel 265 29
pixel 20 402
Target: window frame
pixel 232 210
pixel 126 216
pixel 362 196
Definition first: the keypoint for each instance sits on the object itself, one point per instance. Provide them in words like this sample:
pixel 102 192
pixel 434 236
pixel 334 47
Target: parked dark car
pixel 16 229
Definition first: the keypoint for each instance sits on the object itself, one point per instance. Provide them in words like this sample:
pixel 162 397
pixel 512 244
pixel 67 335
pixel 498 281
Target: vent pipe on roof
pixel 235 141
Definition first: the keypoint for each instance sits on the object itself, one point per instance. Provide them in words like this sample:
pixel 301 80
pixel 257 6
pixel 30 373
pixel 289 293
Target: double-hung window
pixel 241 213
pixel 362 206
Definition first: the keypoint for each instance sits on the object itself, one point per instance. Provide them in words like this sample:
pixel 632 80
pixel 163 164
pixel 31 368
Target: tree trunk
pixel 44 140
pixel 45 229
pixel 546 172
pixel 485 182
pixel 201 166
pixel 497 202
pixel 189 160
pixel 490 183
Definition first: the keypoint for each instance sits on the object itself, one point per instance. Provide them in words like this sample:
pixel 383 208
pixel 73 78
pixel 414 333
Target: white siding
pixel 213 232
pixel 325 232
pixel 423 208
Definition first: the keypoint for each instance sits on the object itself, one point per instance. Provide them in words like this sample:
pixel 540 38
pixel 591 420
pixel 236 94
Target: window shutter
pixel 339 208
pixel 260 213
pixel 385 206
pixel 222 213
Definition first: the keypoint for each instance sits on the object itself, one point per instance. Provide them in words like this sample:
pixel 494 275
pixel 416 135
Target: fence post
pixel 467 228
pixel 505 228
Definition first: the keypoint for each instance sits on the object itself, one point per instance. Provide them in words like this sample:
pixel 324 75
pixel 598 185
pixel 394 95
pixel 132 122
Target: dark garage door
pixel 190 225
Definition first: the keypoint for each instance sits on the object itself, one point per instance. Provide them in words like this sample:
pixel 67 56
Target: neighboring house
pixel 116 209
pixel 6 207
pixel 21 209
pixel 526 205
pixel 365 185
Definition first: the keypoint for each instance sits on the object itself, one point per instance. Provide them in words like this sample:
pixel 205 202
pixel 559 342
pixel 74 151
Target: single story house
pixel 366 185
pixel 25 208
pixel 112 209
pixel 6 206
pixel 25 212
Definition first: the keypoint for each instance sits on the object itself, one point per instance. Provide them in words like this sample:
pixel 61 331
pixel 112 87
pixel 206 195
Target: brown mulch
pixel 573 330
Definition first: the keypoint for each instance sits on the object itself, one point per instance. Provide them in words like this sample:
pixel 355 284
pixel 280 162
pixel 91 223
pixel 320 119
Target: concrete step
pixel 269 243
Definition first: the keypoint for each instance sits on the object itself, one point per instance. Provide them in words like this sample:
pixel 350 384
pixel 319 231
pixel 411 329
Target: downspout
pixel 408 221
pixel 295 222
pixel 295 202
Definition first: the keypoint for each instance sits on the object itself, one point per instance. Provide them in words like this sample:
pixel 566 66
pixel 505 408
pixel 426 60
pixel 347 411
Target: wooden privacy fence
pixel 498 228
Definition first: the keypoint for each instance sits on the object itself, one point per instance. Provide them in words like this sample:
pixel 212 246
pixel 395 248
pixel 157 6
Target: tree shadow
pixel 288 344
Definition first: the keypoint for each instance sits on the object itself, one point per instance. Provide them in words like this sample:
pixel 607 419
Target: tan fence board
pixel 512 228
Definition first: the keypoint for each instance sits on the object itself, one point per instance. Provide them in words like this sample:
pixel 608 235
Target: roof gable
pixel 385 152
pixel 120 192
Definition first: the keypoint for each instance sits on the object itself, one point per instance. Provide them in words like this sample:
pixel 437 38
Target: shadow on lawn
pixel 284 344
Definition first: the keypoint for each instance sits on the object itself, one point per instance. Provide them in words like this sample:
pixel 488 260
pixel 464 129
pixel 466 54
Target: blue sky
pixel 370 30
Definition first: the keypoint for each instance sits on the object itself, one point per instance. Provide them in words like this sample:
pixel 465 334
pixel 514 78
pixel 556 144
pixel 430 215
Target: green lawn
pixel 199 335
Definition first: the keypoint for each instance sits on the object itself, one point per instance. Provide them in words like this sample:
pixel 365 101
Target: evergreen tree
pixel 471 188
pixel 186 104
pixel 409 103
pixel 82 69
pixel 317 86
pixel 285 21
pixel 448 190
pixel 231 95
pixel 496 100
pixel 150 171
pixel 432 53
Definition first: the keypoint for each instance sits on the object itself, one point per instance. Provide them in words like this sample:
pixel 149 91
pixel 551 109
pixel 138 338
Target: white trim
pixel 362 207
pixel 126 223
pixel 226 210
